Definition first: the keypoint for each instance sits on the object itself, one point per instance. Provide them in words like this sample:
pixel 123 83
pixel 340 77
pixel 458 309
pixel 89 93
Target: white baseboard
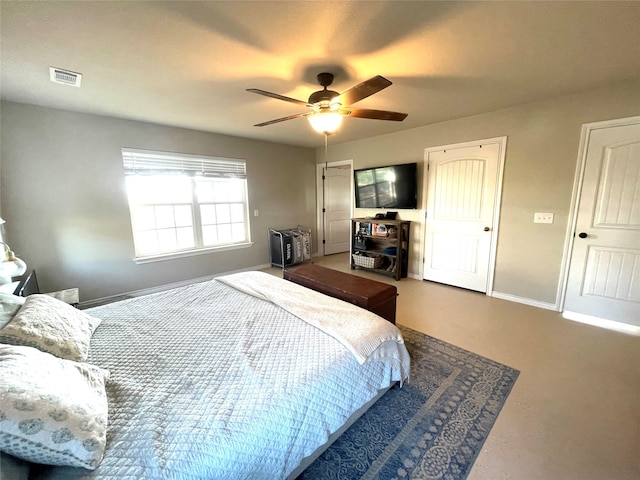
pixel 168 286
pixel 526 301
pixel 511 298
pixel 602 322
pixel 576 317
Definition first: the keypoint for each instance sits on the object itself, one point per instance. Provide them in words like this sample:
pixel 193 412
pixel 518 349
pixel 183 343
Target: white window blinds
pixel 143 162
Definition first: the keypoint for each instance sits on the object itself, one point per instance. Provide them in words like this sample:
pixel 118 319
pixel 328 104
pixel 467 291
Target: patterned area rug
pixel 431 428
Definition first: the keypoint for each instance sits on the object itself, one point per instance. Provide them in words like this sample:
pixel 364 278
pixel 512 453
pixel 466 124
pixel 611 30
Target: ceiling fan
pixel 329 107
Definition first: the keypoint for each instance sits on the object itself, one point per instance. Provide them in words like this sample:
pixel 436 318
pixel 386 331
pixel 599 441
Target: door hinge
pixel 324 210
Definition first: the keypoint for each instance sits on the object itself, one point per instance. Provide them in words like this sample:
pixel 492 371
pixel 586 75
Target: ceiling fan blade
pixel 363 90
pixel 276 96
pixel 278 120
pixel 375 114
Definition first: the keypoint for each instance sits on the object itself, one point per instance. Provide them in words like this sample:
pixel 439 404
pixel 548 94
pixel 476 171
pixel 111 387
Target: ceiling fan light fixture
pixel 326 122
pixel 328 107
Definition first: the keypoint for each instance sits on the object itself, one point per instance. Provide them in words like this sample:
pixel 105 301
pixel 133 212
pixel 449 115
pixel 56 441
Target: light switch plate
pixel 542 217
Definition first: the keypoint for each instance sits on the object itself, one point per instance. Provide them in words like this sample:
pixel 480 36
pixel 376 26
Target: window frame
pixel 138 162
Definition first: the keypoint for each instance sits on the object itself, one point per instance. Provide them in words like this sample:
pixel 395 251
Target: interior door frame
pixel 578 180
pixel 320 198
pixel 502 144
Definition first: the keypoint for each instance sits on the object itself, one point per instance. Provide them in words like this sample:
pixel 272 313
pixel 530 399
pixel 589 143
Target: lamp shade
pixel 325 122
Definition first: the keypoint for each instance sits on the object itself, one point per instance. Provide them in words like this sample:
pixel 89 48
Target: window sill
pixel 190 253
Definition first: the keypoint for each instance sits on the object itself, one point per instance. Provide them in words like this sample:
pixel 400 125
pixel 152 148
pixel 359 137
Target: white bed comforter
pixel 365 334
pixel 208 382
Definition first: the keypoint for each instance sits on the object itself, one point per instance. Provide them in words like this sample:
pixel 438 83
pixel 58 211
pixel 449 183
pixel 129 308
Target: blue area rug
pixel 431 428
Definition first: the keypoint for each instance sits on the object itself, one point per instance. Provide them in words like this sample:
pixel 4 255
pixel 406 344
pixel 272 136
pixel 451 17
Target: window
pixel 185 203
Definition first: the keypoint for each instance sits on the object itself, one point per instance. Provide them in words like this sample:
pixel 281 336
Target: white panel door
pixel 337 209
pixel 604 272
pixel 462 184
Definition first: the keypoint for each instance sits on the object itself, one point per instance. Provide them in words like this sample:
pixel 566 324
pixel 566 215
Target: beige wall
pixel 541 156
pixel 63 197
pixel 62 189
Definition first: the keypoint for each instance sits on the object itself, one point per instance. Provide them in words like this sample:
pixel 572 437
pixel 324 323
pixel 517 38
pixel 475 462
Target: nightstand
pixel 70 296
pixel 29 285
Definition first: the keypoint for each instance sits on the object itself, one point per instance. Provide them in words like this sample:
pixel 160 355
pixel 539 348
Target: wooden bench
pixel 377 297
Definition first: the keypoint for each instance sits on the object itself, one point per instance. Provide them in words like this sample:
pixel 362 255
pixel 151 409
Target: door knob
pixel 582 235
pixel 486 229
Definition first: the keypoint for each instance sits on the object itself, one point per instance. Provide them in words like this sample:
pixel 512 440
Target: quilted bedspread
pixel 208 382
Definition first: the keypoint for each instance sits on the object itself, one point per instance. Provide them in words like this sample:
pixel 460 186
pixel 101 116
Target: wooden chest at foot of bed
pixel 377 297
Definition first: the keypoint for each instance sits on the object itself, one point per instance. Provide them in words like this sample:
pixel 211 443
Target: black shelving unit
pixel 380 245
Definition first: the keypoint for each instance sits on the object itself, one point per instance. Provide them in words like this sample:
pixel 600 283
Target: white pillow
pixel 52 326
pixel 9 306
pixel 52 411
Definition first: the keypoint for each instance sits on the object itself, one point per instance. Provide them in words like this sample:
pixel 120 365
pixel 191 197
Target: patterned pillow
pixel 52 326
pixel 9 306
pixel 52 411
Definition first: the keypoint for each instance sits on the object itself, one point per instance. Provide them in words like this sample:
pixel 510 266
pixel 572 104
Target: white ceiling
pixel 188 63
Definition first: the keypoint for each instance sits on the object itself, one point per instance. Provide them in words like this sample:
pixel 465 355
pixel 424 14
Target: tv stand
pixel 375 246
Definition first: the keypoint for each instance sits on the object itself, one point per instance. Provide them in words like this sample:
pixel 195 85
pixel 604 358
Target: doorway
pixel 335 193
pixel 464 183
pixel 603 269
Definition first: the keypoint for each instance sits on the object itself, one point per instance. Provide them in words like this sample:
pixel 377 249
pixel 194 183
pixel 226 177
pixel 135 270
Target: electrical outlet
pixel 542 217
pixel 256 213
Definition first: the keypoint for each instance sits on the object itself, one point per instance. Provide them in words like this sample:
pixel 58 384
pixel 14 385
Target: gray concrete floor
pixel 574 412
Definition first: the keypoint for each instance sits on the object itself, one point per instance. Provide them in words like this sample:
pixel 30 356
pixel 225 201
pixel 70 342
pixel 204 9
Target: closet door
pixel 337 208
pixel 462 187
pixel 604 271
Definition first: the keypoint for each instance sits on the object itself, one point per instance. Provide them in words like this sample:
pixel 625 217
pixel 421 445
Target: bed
pixel 245 376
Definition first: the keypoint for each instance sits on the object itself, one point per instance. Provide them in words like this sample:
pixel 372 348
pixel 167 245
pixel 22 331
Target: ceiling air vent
pixel 58 75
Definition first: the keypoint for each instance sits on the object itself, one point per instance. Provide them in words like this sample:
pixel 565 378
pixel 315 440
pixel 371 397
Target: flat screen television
pixel 393 186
